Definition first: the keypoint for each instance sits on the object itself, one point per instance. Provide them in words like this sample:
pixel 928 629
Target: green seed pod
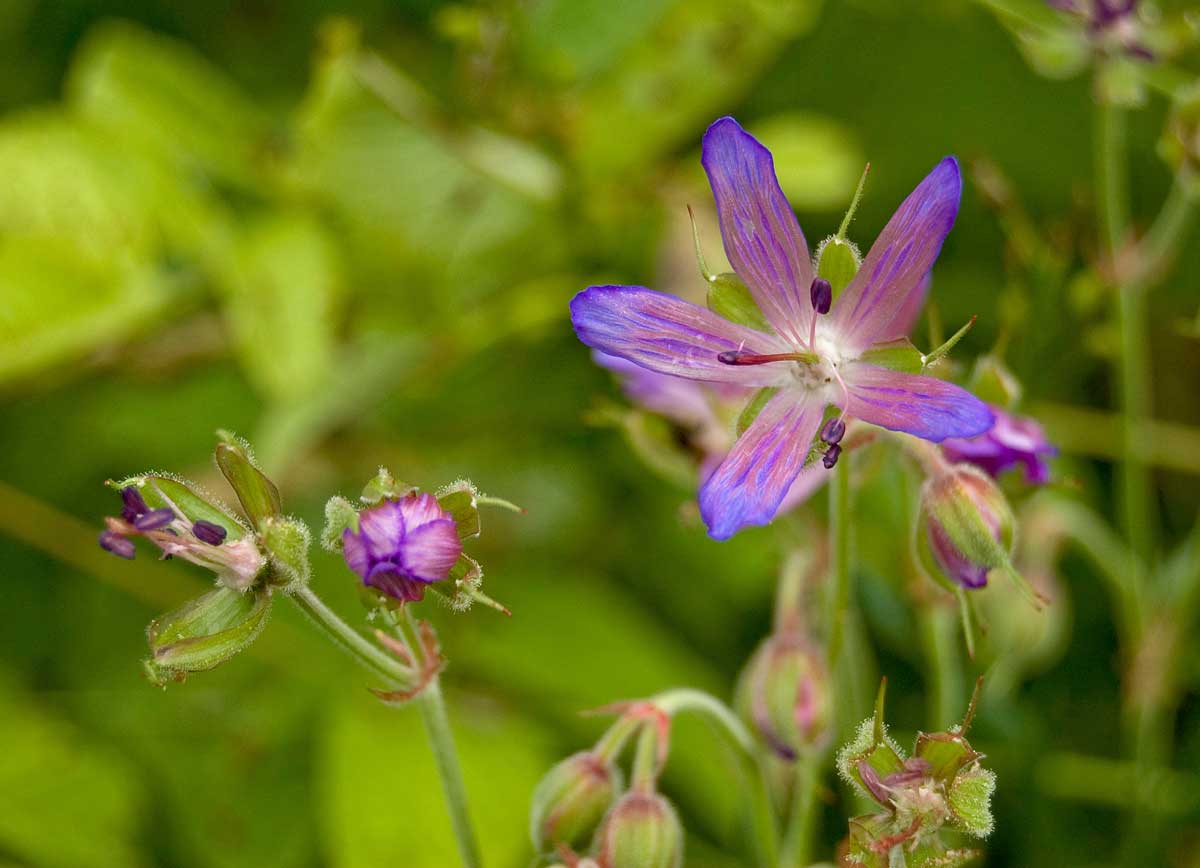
pixel 641 831
pixel 571 800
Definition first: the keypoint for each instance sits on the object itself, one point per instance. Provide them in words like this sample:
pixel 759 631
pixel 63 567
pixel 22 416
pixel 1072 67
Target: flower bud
pixel 783 694
pixel 571 800
pixel 403 545
pixel 641 831
pixel 966 527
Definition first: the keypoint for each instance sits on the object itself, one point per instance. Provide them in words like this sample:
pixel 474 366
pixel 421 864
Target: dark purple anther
pixel 729 357
pixel 821 293
pixel 117 544
pixel 832 454
pixel 135 504
pixel 833 430
pixel 210 533
pixel 154 519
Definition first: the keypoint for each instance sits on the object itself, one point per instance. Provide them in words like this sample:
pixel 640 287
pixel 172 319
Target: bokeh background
pixel 349 232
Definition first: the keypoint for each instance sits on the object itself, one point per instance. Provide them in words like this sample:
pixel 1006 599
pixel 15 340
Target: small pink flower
pixel 403 545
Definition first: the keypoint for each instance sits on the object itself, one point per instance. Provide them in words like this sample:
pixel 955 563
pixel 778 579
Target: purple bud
pixel 210 533
pixel 832 454
pixel 821 294
pixel 403 545
pixel 154 519
pixel 117 545
pixel 833 431
pixel 135 504
pixel 1013 441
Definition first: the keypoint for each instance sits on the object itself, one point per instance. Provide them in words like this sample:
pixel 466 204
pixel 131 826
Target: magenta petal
pixel 924 406
pixel 669 335
pixel 431 550
pixel 880 296
pixel 419 510
pixel 762 238
pixel 752 481
pixel 387 578
pixel 355 551
pixel 381 528
pixel 906 317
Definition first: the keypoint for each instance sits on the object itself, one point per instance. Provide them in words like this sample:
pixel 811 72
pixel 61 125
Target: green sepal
pixel 205 632
pixel 383 486
pixel 935 855
pixel 287 541
pixel 728 297
pixel 991 381
pixel 340 515
pixel 865 831
pixel 753 408
pixel 970 797
pixel 872 745
pixel 897 355
pixel 161 490
pixel 257 494
pixel 946 753
pixel 460 501
pixel 837 261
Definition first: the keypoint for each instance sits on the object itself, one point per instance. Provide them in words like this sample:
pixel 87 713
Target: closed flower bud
pixel 966 527
pixel 784 695
pixel 571 800
pixel 641 831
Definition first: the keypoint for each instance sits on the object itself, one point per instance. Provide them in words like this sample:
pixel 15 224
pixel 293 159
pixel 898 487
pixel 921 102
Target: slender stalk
pixel 839 550
pixel 433 713
pixel 939 632
pixel 797 849
pixel 429 702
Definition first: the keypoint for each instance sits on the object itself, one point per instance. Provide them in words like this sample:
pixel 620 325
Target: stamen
pixel 833 431
pixel 135 504
pixel 117 545
pixel 154 519
pixel 738 357
pixel 821 295
pixel 210 533
pixel 831 456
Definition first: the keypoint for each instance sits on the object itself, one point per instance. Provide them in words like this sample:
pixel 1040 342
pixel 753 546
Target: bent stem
pixel 429 701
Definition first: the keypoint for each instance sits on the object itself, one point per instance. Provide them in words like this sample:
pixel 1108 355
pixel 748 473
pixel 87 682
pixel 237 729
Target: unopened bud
pixel 641 831
pixel 571 800
pixel 966 527
pixel 784 695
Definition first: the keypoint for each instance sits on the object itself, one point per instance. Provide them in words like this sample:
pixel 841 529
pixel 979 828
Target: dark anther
pixel 821 293
pixel 135 504
pixel 833 430
pixel 154 519
pixel 117 544
pixel 831 456
pixel 210 533
pixel 729 357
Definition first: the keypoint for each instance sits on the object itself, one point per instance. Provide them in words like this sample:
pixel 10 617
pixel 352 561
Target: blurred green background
pixel 350 233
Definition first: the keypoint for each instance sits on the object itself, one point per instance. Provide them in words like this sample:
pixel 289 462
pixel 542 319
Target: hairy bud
pixel 641 831
pixel 571 800
pixel 966 527
pixel 784 695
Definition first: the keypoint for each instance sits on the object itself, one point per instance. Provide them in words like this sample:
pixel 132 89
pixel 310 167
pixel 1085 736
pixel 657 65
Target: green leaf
pixel 898 355
pixel 159 490
pixel 162 95
pixel 281 300
pixel 730 298
pixel 205 632
pixel 257 494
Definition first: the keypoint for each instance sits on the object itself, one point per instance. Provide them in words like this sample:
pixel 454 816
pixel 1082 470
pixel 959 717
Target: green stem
pixel 429 701
pixel 349 639
pixel 839 551
pixel 1162 240
pixel 797 849
pixel 939 633
pixel 433 713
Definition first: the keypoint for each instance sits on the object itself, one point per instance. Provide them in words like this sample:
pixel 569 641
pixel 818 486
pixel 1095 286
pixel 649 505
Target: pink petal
pixel 431 550
pixel 762 238
pixel 880 297
pixel 924 406
pixel 419 510
pixel 381 528
pixel 752 481
pixel 669 335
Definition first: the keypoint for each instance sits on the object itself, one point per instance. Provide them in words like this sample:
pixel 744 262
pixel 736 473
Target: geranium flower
pixel 1013 440
pixel 812 360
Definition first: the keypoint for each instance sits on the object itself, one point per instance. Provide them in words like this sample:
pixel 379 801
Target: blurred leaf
pixel 696 58
pixel 158 93
pixel 817 159
pixel 281 300
pixel 64 803
pixel 382 802
pixel 58 303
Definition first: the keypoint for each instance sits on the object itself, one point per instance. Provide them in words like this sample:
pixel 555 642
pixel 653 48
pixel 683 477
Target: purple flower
pixel 812 360
pixel 1012 440
pixel 403 545
pixel 1111 22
